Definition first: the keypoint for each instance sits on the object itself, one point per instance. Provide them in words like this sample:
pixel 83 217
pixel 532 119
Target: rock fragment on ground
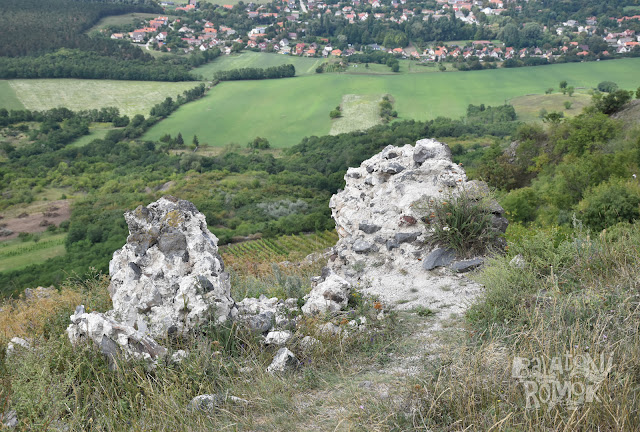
pixel 17 343
pixel 439 257
pixel 283 361
pixel 279 338
pixel 329 295
pixel 209 402
pixel 114 339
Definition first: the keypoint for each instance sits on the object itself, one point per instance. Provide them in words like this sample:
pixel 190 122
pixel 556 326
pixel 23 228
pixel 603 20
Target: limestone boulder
pixel 168 277
pixel 114 339
pixel 329 295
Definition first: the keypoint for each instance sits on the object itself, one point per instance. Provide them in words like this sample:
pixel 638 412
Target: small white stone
pixel 279 338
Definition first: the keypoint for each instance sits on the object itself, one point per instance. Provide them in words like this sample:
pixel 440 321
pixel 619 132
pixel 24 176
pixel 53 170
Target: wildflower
pixel 361 407
pixel 446 228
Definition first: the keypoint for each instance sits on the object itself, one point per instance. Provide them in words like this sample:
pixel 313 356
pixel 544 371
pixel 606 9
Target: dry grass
pixel 578 296
pixel 34 317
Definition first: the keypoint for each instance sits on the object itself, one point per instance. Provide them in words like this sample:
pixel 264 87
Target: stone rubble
pixel 279 338
pixel 113 338
pixel 209 402
pixel 331 294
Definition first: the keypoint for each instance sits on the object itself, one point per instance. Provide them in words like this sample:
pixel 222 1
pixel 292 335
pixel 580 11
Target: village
pixel 281 28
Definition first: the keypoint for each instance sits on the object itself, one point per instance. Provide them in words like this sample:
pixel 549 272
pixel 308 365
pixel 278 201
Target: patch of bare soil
pixel 35 218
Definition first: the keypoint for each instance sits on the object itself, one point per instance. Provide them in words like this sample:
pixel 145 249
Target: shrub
pixel 462 223
pixel 521 205
pixel 607 86
pixel 609 203
pixel 612 102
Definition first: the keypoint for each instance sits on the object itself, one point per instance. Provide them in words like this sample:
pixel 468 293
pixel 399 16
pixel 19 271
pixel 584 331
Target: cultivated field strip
pixel 280 248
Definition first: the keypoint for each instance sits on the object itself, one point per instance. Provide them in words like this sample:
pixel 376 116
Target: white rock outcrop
pixel 165 280
pixel 382 240
pixel 169 277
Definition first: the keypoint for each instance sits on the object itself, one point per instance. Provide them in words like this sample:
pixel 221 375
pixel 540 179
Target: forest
pixel 49 40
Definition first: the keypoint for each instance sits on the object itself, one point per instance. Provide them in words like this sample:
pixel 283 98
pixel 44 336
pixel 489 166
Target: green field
pixel 286 110
pixel 16 254
pixel 304 65
pixel 359 112
pixel 528 107
pixel 131 97
pixel 8 98
pixel 126 19
pixel 250 59
pixel 96 131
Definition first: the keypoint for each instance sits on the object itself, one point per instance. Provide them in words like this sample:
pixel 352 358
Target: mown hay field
pixel 131 97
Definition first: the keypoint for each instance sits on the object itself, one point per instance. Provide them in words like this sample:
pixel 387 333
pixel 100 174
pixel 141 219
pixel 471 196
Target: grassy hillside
pixel 131 97
pixel 8 98
pixel 284 111
pixel 528 107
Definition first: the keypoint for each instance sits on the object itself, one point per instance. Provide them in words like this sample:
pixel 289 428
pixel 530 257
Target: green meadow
pixel 358 113
pixel 96 131
pixel 131 97
pixel 304 65
pixel 528 107
pixel 8 97
pixel 250 59
pixel 126 19
pixel 286 110
pixel 16 254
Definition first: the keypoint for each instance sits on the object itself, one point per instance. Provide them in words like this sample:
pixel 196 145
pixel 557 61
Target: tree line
pixel 282 71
